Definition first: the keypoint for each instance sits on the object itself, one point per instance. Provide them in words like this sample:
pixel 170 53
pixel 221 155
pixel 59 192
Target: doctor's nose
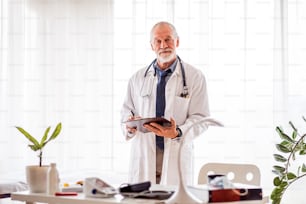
pixel 163 44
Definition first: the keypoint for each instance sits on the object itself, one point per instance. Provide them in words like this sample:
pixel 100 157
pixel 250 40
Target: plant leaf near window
pixel 291 146
pixel 38 145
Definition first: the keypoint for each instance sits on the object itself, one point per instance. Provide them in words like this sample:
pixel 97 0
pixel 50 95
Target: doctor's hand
pixel 168 132
pixel 132 130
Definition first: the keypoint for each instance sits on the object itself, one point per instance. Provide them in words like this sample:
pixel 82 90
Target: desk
pixel 30 198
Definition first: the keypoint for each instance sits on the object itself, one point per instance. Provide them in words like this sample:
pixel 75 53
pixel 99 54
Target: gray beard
pixel 166 59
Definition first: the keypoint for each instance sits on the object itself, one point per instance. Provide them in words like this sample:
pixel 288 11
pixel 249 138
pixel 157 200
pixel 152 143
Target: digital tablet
pixel 156 195
pixel 138 123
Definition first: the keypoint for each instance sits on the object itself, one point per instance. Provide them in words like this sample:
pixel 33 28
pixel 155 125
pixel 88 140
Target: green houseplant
pixel 289 148
pixel 39 145
pixel 36 175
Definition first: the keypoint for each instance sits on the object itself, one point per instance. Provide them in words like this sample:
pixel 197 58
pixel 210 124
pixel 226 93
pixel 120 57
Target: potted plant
pixel 36 175
pixel 290 147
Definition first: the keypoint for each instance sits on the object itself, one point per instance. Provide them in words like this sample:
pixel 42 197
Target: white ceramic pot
pixel 37 178
pixel 295 193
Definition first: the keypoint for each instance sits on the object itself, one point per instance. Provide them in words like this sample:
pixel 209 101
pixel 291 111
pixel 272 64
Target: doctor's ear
pixel 177 42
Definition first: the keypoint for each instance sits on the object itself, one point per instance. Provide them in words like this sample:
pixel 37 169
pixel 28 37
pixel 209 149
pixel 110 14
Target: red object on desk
pixel 235 194
pixel 66 193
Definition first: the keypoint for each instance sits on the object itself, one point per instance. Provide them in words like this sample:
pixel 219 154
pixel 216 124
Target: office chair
pixel 236 173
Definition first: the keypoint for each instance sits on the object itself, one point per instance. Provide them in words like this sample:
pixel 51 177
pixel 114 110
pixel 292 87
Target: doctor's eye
pixel 157 42
pixel 168 41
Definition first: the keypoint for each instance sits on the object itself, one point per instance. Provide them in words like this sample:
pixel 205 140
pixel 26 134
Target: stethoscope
pixel 185 93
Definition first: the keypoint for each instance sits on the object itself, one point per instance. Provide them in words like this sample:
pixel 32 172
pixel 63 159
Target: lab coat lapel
pixel 171 88
pixel 148 95
pixel 147 86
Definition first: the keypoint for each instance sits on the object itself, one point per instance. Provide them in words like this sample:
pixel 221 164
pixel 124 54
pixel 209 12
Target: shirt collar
pixel 171 67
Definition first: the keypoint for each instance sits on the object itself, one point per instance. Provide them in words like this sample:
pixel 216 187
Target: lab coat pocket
pixel 181 105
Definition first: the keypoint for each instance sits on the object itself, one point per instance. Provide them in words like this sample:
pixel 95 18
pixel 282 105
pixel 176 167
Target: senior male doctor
pixel 169 88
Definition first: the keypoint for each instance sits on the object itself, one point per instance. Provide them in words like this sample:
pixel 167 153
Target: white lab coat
pixel 141 98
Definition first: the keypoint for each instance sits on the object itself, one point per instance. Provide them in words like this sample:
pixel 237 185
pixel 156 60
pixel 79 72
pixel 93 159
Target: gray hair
pixel 174 32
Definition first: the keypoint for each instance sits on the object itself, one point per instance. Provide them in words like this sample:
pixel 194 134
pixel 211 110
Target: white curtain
pixel 70 60
pixel 57 66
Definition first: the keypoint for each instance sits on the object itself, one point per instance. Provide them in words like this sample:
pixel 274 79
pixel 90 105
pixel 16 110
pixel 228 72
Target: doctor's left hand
pixel 132 130
pixel 169 131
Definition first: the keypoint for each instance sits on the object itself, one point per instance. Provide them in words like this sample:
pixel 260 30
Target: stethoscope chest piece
pixel 185 93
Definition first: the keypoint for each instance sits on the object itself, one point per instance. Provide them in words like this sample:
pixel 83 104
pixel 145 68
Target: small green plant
pixel 289 147
pixel 39 145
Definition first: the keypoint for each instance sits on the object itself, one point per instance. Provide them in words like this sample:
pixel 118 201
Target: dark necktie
pixel 160 104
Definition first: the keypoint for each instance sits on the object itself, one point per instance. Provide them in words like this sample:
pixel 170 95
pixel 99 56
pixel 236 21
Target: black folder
pixel 138 123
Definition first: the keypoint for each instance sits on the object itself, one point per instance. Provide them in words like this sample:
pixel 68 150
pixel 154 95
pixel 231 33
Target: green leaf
pixel 279 168
pixel 276 181
pixel 28 136
pixel 302 152
pixel 294 135
pixel 286 137
pixel 283 135
pixel 44 138
pixel 279 130
pixel 285 143
pixel 56 132
pixel 279 158
pixel 34 147
pixel 276 193
pixel 280 174
pixel 283 184
pixel 282 148
pixel 291 176
pixel 276 201
pixel 277 190
pixel 303 168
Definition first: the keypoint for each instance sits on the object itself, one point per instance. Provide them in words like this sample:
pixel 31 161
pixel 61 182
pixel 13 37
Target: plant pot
pixel 37 178
pixel 295 193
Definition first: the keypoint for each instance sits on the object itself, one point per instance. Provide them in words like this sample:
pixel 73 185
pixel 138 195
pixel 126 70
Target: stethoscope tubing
pixel 185 89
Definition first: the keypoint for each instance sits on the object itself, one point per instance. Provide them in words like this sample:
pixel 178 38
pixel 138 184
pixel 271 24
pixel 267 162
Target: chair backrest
pixel 237 173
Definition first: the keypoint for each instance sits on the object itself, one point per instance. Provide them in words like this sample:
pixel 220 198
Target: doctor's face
pixel 164 43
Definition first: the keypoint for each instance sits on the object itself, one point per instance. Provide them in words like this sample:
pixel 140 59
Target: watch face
pixel 179 132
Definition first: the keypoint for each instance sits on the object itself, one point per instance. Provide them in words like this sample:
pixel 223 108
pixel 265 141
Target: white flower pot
pixel 295 193
pixel 37 178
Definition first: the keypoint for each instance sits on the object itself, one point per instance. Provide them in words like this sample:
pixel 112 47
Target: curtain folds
pixel 56 66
